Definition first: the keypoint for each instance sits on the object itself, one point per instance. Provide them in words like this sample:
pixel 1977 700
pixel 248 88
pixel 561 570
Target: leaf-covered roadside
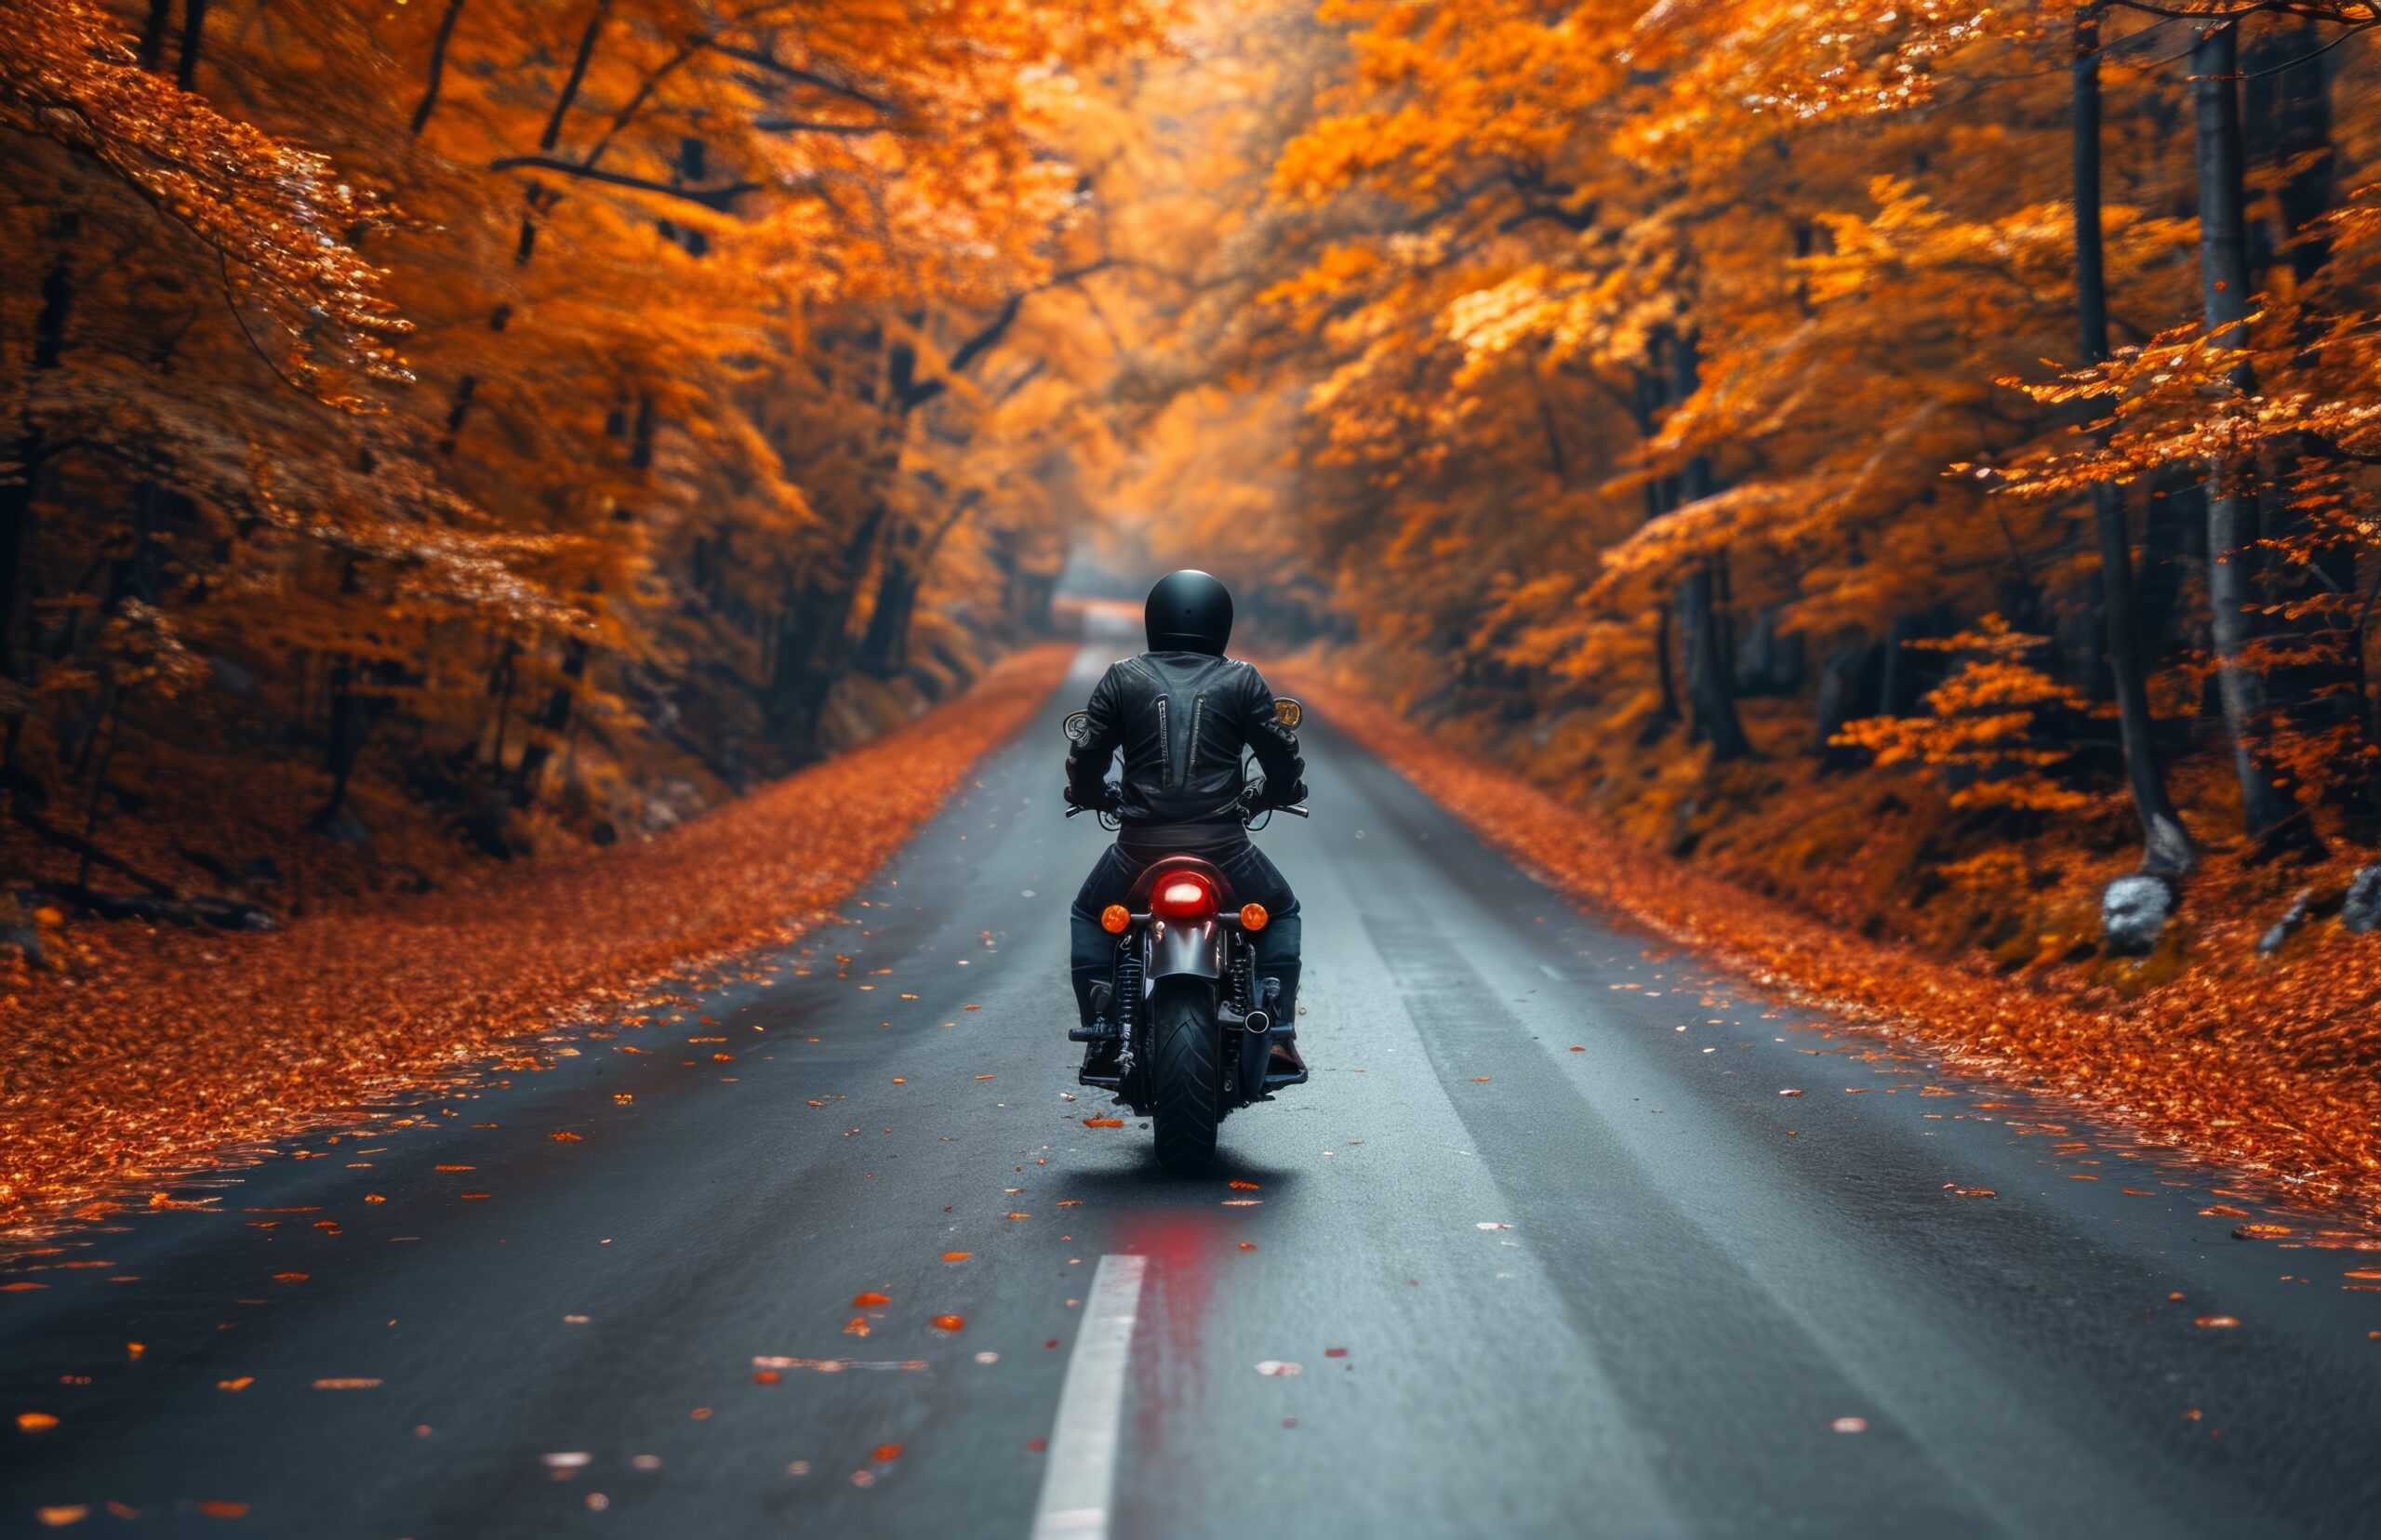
pixel 157 1046
pixel 2264 1066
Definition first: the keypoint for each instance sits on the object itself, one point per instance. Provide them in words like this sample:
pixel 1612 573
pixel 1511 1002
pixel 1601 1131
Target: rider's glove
pixel 1256 795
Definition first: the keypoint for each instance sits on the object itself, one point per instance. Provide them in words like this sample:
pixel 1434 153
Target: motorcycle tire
pixel 1184 1073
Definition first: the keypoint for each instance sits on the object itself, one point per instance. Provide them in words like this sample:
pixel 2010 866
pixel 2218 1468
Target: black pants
pixel 1253 878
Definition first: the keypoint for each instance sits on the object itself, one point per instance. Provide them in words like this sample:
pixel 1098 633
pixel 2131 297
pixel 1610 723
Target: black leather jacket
pixel 1181 719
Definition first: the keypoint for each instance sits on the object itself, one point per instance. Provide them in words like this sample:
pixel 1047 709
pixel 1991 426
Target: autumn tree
pixel 500 405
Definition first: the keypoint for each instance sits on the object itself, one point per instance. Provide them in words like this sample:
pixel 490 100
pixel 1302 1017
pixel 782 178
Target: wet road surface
pixel 1542 1250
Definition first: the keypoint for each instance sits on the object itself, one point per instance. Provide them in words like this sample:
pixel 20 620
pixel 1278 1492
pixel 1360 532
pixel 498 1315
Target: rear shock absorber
pixel 1128 992
pixel 1241 1008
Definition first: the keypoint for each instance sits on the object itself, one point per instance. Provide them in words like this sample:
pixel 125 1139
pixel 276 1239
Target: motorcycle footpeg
pixel 1275 1079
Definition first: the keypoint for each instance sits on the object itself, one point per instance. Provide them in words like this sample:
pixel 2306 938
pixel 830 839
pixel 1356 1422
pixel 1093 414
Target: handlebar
pixel 1247 816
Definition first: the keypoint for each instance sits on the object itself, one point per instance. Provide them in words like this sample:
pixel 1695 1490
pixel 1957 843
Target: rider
pixel 1182 712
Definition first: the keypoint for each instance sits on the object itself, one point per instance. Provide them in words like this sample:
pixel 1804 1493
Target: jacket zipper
pixel 1164 741
pixel 1190 749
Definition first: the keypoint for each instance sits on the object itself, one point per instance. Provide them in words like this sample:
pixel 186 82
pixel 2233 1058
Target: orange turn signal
pixel 1114 917
pixel 1253 917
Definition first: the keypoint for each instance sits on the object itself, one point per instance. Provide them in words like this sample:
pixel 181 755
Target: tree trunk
pixel 2166 847
pixel 437 73
pixel 551 723
pixel 1665 714
pixel 1646 394
pixel 814 650
pixel 885 647
pixel 534 201
pixel 2288 109
pixel 1711 676
pixel 17 492
pixel 349 724
pixel 152 34
pixel 2287 130
pixel 1710 671
pixel 194 43
pixel 2269 811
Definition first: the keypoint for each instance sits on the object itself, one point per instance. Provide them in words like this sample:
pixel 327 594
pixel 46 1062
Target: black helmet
pixel 1189 611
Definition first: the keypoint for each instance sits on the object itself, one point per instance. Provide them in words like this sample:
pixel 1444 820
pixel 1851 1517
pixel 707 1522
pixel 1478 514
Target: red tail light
pixel 1182 896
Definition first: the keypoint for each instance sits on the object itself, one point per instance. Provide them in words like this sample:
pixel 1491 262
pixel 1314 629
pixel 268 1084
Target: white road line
pixel 1080 1479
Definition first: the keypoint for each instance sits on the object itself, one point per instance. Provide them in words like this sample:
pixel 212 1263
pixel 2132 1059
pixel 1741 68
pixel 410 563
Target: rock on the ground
pixel 343 826
pixel 671 802
pixel 20 936
pixel 2296 915
pixel 2133 912
pixel 2361 910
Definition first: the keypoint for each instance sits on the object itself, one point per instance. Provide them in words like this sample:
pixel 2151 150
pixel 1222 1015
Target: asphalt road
pixel 1548 1249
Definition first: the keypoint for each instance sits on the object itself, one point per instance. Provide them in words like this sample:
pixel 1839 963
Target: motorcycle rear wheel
pixel 1184 1073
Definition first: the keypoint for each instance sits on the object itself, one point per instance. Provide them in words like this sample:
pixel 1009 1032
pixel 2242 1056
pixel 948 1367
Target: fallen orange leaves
pixel 130 1063
pixel 1103 1122
pixel 871 1300
pixel 36 1422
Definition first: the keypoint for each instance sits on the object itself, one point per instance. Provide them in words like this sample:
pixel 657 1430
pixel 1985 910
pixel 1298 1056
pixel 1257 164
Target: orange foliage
pixel 487 416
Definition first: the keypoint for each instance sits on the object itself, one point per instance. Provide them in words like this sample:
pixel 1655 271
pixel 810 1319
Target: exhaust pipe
pixel 1255 1021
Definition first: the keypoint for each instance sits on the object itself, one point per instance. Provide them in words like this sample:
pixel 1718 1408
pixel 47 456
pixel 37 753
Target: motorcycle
pixel 1192 1022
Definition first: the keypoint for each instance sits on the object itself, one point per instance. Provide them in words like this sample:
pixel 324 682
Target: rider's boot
pixel 1285 1066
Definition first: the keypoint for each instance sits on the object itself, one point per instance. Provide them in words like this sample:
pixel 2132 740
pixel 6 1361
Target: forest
pixel 1912 462
pixel 1915 460
pixel 480 427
